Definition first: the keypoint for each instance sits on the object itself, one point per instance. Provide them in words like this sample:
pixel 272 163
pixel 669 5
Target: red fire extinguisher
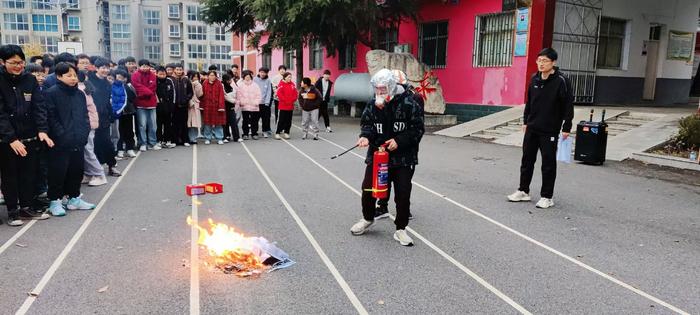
pixel 380 173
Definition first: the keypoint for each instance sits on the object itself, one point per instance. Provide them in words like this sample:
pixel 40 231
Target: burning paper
pixel 232 252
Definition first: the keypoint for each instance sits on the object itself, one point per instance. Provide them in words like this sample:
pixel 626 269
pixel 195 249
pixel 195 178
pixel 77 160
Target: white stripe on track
pixel 69 247
pixel 538 243
pixel 17 235
pixel 442 253
pixel 329 264
pixel 194 247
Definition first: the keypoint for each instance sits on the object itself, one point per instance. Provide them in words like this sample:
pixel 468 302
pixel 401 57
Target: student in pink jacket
pixel 248 98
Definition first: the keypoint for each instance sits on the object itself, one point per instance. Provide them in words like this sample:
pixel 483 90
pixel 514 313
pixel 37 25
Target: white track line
pixel 194 247
pixel 76 237
pixel 334 271
pixel 540 244
pixel 16 236
pixel 442 253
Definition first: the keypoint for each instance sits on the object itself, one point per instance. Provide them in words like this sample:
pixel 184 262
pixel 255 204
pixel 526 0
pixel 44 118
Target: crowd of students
pixel 63 118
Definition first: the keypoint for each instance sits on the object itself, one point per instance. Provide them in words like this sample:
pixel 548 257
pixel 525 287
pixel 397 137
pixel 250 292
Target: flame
pixel 231 251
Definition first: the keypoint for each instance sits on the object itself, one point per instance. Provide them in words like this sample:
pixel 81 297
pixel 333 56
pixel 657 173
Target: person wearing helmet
pixel 394 119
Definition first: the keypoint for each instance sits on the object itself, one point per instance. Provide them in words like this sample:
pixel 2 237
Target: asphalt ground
pixel 621 239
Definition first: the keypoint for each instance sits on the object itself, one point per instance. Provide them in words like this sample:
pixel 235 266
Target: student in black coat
pixel 104 148
pixel 548 112
pixel 23 127
pixel 324 85
pixel 69 126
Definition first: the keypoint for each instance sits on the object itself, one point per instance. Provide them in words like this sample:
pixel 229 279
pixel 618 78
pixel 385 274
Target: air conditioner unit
pixel 402 48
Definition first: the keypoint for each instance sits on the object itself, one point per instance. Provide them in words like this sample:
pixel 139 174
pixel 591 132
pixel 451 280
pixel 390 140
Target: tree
pixel 33 48
pixel 295 23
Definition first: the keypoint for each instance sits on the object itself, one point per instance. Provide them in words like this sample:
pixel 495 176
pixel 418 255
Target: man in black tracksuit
pixel 183 95
pixel 394 119
pixel 165 90
pixel 549 110
pixel 23 126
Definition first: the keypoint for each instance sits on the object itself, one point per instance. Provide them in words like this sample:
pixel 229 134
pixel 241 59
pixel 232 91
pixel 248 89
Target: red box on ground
pixel 196 189
pixel 214 188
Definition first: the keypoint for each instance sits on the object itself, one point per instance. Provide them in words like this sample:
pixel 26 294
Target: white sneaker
pixel 86 179
pixel 187 144
pixel 207 142
pixel 545 203
pixel 98 181
pixel 519 196
pixel 225 140
pixel 120 154
pixel 170 145
pixel 220 142
pixel 361 227
pixel 240 139
pixel 156 147
pixel 286 136
pixel 131 153
pixel 402 237
pixel 142 148
pixel 277 136
pixel 328 129
pixel 265 135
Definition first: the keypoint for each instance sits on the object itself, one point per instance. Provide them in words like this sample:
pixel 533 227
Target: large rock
pixel 415 71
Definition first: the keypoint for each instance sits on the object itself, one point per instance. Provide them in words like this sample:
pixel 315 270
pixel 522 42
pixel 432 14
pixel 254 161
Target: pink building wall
pixel 462 83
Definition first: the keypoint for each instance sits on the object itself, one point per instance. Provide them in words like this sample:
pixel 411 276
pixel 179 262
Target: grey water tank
pixel 353 87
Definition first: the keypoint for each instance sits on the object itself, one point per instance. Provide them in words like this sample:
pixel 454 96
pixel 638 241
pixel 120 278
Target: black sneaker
pixel 27 213
pixel 381 213
pixel 245 137
pixel 14 220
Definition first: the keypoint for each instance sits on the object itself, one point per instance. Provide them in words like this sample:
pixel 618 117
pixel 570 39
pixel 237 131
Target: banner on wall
pixel 680 46
pixel 523 19
pixel 520 44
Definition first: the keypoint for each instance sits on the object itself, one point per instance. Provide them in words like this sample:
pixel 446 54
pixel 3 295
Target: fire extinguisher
pixel 380 173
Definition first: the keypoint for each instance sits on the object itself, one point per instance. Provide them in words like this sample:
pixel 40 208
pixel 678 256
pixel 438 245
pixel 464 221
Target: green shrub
pixel 689 132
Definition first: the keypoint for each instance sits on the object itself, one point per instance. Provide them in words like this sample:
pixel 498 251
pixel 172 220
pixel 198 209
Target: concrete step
pixel 482 135
pixel 643 116
pixel 497 132
pixel 511 128
pixel 629 122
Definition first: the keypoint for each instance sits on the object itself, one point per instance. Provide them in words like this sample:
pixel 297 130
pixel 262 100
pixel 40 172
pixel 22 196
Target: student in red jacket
pixel 287 95
pixel 145 83
pixel 214 114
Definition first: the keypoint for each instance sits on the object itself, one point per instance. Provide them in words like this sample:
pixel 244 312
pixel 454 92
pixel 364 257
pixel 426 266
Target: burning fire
pixel 232 251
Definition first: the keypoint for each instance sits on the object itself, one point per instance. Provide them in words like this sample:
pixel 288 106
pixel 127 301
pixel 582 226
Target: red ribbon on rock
pixel 423 87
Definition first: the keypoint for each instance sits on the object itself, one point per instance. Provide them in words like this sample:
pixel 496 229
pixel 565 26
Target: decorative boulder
pixel 418 74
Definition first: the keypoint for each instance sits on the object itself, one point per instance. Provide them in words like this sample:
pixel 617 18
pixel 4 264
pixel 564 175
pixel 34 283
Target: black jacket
pixel 549 102
pixel 102 95
pixel 69 125
pixel 319 87
pixel 165 90
pixel 311 102
pixel 401 119
pixel 183 92
pixel 130 108
pixel 22 111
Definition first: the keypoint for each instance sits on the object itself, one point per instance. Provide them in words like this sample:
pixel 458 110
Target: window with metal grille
pixel 433 44
pixel 121 31
pixel 151 35
pixel 73 23
pixel 121 50
pixel 289 56
pixel 193 13
pixel 15 39
pixel 49 44
pixel 267 60
pixel 13 4
pixel 219 33
pixel 493 40
pixel 73 4
pixel 16 22
pixel 611 42
pixel 195 51
pixel 152 53
pixel 196 32
pixel 44 23
pixel 151 17
pixel 174 11
pixel 219 52
pixel 175 50
pixel 120 12
pixel 41 4
pixel 347 57
pixel 174 31
pixel 388 39
pixel 316 56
